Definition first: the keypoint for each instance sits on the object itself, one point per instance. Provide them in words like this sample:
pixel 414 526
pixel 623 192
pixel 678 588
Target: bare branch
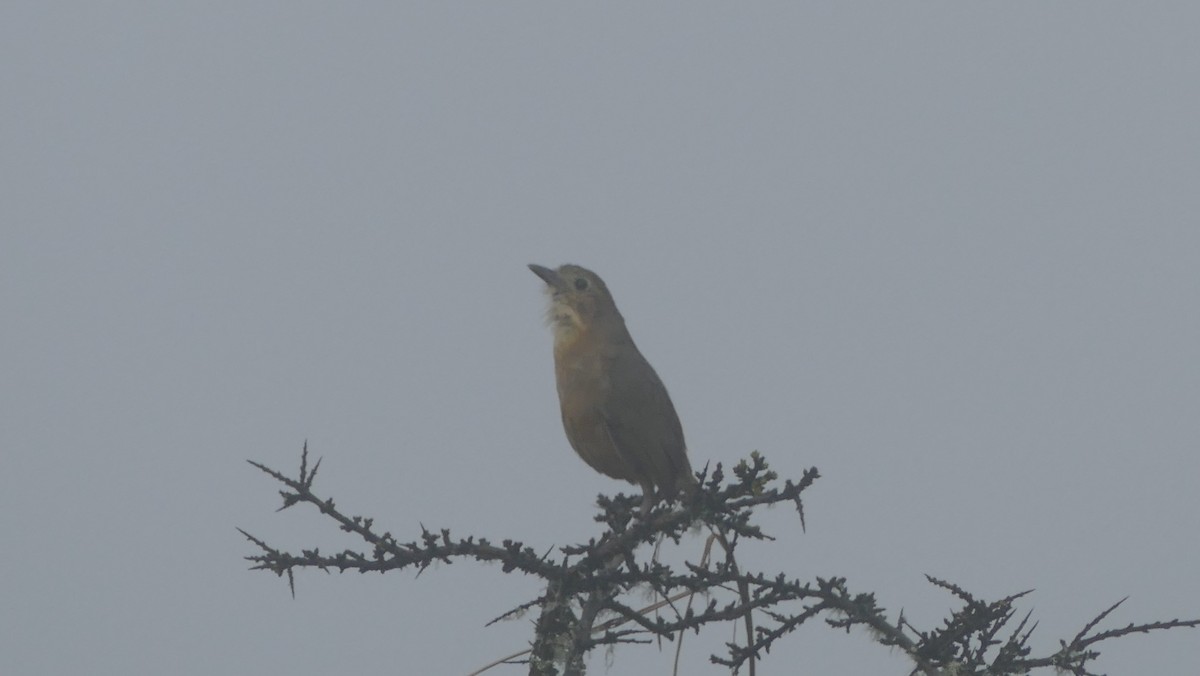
pixel 587 580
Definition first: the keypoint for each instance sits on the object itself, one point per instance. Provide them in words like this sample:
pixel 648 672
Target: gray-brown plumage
pixel 616 411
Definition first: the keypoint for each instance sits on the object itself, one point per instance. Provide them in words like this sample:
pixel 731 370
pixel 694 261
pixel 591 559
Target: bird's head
pixel 579 302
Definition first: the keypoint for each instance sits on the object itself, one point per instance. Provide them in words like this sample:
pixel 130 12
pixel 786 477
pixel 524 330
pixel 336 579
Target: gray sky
pixel 947 253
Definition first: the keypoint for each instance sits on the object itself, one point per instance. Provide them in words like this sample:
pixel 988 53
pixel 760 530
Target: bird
pixel 615 410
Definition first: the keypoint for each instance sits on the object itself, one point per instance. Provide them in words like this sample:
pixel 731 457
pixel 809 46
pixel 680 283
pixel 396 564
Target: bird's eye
pixel 580 283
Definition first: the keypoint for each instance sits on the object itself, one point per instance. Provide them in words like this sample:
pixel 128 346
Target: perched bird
pixel 616 411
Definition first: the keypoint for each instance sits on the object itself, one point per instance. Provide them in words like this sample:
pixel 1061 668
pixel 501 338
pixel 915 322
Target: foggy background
pixel 947 253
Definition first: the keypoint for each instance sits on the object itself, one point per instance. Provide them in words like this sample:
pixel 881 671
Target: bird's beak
pixel 552 278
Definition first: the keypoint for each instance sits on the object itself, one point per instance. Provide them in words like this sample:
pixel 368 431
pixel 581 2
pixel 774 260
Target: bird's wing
pixel 643 425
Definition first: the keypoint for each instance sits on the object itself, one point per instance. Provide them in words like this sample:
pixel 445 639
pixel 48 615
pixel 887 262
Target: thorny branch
pixel 589 580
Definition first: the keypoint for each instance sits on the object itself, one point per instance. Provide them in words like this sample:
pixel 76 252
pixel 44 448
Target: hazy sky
pixel 948 253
